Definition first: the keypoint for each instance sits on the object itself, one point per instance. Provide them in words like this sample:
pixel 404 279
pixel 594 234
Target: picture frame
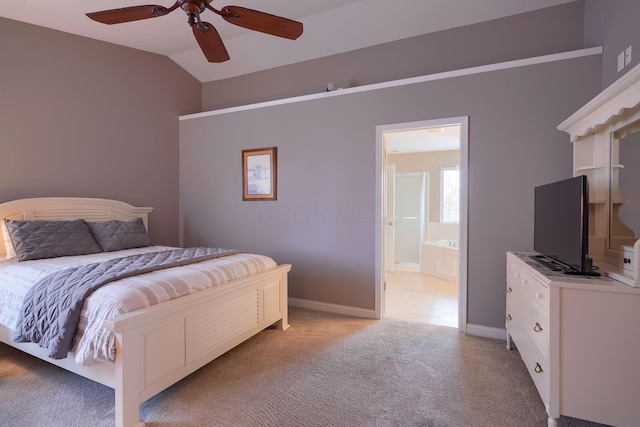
pixel 259 174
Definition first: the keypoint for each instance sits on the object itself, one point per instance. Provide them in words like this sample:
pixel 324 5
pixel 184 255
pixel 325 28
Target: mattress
pixel 93 343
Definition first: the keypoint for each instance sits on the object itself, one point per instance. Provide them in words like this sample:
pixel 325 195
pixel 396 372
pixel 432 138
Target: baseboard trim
pixel 487 332
pixel 475 330
pixel 332 308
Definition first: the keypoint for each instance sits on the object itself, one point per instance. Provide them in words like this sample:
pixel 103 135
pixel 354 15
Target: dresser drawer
pixel 539 293
pixel 535 321
pixel 536 362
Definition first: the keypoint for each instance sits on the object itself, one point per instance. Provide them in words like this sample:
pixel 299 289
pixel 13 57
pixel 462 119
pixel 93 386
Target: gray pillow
pixel 117 235
pixel 50 239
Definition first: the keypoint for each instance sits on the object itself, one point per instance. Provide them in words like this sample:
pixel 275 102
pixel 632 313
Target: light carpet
pixel 326 370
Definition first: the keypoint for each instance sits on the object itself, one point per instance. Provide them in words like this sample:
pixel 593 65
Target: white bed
pixel 159 345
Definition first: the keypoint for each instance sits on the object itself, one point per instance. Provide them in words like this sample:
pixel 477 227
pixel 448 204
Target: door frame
pixel 389 212
pixel 381 214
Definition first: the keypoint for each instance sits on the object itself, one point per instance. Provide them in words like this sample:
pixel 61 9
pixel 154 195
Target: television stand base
pixel 555 265
pixel 581 273
pixel 550 263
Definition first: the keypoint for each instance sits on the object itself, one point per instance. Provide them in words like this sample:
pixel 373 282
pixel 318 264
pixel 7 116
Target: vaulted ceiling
pixel 330 27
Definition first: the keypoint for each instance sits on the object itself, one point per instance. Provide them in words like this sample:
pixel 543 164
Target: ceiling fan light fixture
pixel 209 41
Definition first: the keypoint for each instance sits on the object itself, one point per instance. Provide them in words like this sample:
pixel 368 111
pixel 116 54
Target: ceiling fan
pixel 206 35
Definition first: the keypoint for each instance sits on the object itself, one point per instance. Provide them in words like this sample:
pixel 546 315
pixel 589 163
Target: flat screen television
pixel 561 226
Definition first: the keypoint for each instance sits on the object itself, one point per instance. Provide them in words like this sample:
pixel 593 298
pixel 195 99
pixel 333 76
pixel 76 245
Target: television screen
pixel 561 224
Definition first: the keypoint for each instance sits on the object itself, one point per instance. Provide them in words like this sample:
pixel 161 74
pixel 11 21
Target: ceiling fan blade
pixel 127 14
pixel 261 21
pixel 211 43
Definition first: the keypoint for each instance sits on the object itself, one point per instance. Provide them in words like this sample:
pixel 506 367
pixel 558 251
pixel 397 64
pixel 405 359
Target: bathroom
pixel 423 198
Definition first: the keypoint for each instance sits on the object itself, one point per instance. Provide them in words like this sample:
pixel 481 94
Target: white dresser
pixel 580 340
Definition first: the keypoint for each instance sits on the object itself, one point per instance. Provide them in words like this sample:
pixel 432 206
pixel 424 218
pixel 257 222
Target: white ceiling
pixel 330 27
pixel 420 140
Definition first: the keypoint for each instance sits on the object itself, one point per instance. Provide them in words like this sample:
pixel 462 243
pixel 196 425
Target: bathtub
pixel 439 258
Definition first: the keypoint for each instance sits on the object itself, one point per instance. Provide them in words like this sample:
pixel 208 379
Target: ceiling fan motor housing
pixel 193 6
pixel 206 35
pixel 193 9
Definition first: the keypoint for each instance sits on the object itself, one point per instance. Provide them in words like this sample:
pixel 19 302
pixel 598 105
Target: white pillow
pixel 8 244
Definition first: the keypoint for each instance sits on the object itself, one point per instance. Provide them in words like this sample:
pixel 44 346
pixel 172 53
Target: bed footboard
pixel 158 346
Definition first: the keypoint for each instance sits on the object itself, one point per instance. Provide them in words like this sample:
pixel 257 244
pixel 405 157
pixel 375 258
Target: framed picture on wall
pixel 259 174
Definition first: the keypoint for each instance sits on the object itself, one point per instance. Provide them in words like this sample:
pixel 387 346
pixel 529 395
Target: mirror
pixel 624 188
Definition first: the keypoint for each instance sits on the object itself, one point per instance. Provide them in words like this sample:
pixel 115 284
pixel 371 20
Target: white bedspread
pixel 94 343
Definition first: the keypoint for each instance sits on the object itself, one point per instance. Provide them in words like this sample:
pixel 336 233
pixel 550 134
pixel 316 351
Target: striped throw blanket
pixel 93 342
pixel 52 307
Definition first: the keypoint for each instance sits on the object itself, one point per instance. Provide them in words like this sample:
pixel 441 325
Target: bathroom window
pixel 450 195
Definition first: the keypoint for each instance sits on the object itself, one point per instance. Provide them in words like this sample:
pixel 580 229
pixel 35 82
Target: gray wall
pixel 95 108
pixel 324 219
pixel 541 32
pixel 614 25
pixel 79 117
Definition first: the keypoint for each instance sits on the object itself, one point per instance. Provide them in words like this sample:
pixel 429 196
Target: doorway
pixel 421 241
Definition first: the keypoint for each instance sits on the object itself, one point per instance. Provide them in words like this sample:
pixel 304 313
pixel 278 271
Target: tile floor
pixel 422 298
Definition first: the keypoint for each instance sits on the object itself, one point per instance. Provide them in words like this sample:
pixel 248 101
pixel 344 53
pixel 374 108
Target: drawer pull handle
pixel 508 317
pixel 509 290
pixel 538 295
pixel 538 368
pixel 537 328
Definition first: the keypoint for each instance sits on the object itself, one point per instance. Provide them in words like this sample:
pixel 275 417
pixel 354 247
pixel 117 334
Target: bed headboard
pixel 51 208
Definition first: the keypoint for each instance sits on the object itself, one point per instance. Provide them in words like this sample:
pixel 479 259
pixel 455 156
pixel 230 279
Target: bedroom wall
pixel 545 31
pixel 614 25
pixel 324 223
pixel 80 117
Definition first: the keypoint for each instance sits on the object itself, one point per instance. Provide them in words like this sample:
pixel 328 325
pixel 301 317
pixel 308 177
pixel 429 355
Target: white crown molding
pixel 612 102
